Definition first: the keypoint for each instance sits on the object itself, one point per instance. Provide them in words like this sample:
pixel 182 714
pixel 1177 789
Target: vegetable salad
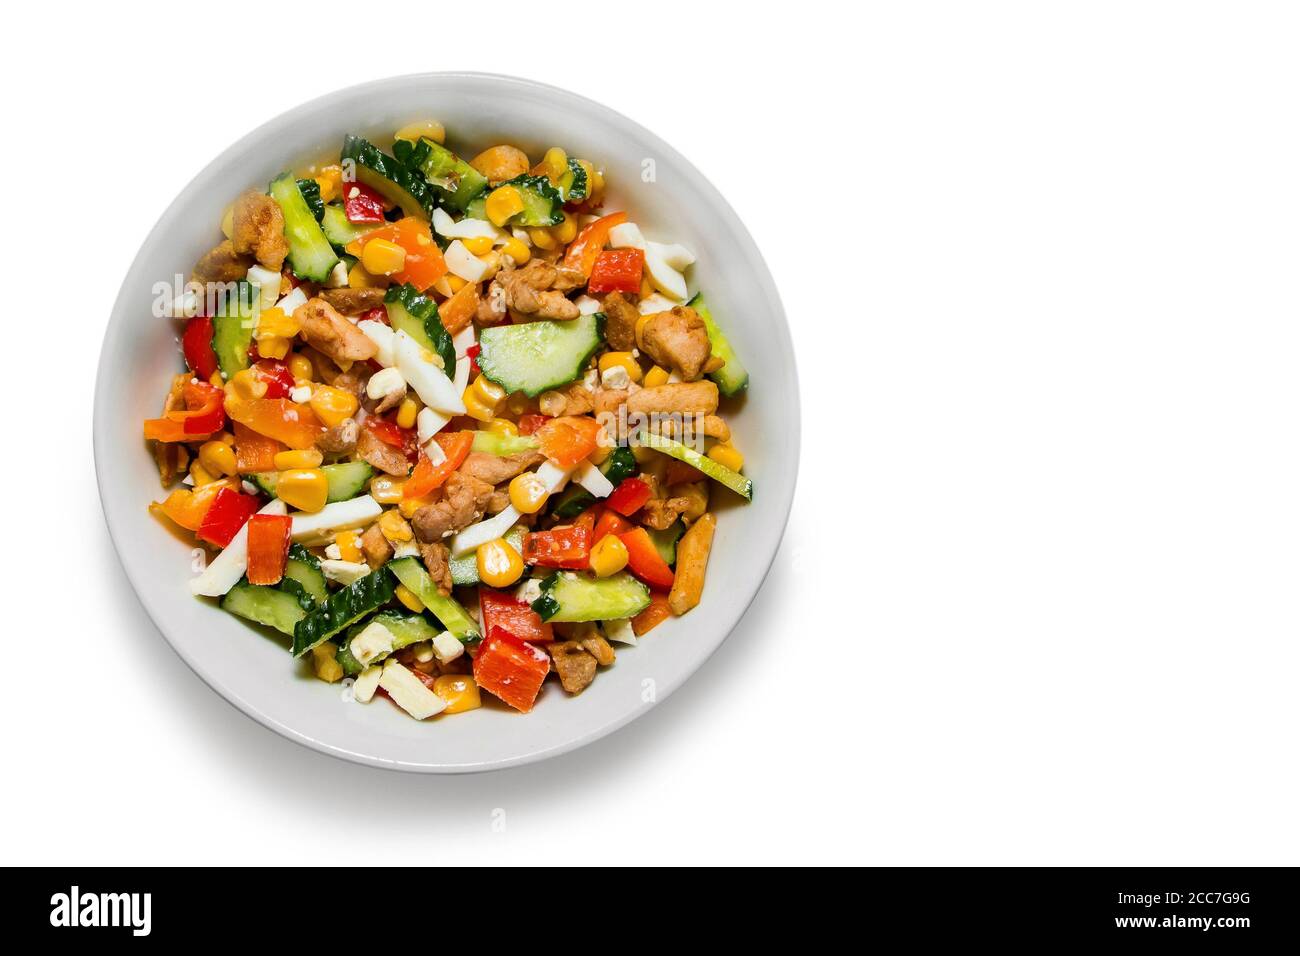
pixel 448 425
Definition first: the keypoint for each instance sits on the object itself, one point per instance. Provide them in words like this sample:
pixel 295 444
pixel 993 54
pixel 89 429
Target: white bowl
pixel 253 671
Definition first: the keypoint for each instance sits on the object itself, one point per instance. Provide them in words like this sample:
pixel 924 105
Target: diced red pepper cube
pixel 500 610
pixel 196 343
pixel 227 514
pixel 276 376
pixel 362 204
pixel 617 270
pixel 644 561
pixel 629 497
pixel 511 670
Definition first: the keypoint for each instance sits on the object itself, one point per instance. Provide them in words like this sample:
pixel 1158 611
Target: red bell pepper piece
pixel 196 343
pixel 226 515
pixel 391 433
pixel 532 421
pixel 617 270
pixel 585 248
pixel 644 561
pixel 471 353
pixel 429 477
pixel 629 497
pixel 564 546
pixel 268 548
pixel 375 315
pixel 204 414
pixel 500 610
pixel 276 375
pixel 610 522
pixel 568 440
pixel 361 203
pixel 513 671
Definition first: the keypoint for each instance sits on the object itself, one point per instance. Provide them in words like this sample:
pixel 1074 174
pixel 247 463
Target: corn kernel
pixel 499 564
pixel 454 283
pixel 408 598
pixel 349 545
pixel 407 412
pixel 273 347
pixel 217 458
pixel 274 322
pixel 542 238
pixel 655 377
pixel 555 163
pixel 304 488
pixel 516 250
pixel 329 179
pixel 528 493
pixel 325 663
pixel 382 257
pixel 609 556
pixel 641 323
pixel 300 368
pixel 520 404
pixel 217 380
pixel 482 399
pixel 479 245
pixel 200 475
pixel 726 455
pixel 246 384
pixel 623 360
pixel 429 129
pixel 460 691
pixel 409 506
pixel 306 458
pixel 502 203
pixel 394 526
pixel 566 231
pixel 332 405
pixel 503 427
pixel 359 278
pixel 386 489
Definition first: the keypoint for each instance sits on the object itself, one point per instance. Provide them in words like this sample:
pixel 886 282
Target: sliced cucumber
pixel 346 480
pixel 407 629
pixel 417 315
pixel 665 541
pixel 724 476
pixel 543 203
pixel 464 570
pixel 446 609
pixel 264 605
pixel 534 357
pixel 310 190
pixel 339 230
pixel 575 499
pixel 503 445
pixel 569 596
pixel 573 184
pixel 342 608
pixel 388 177
pixel 455 180
pixel 310 254
pixel 304 571
pixel 732 378
pixel 232 328
pixel 477 209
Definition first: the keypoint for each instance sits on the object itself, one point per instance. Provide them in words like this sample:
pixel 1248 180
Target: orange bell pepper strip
pixel 254 452
pixel 457 311
pixel 643 560
pixel 424 262
pixel 568 440
pixel 204 415
pixel 426 476
pixel 268 548
pixel 655 614
pixel 610 522
pixel 188 508
pixel 279 418
pixel 585 248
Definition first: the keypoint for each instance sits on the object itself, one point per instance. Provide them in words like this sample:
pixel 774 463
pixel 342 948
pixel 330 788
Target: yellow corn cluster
pixel 482 399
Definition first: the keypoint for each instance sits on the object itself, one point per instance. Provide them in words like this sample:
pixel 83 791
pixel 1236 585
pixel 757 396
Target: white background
pixel 1037 600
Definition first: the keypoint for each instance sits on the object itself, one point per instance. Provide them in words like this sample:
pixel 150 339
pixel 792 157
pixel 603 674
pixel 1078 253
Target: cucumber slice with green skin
pixel 407 629
pixel 543 203
pixel 345 480
pixel 388 177
pixel 534 357
pixel 446 609
pixel 503 445
pixel 264 605
pixel 569 596
pixel 343 607
pixel 732 378
pixel 477 209
pixel 464 570
pixel 310 190
pixel 575 499
pixel 724 476
pixel 339 231
pixel 417 315
pixel 573 184
pixel 456 181
pixel 303 570
pixel 310 254
pixel 665 541
pixel 232 328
